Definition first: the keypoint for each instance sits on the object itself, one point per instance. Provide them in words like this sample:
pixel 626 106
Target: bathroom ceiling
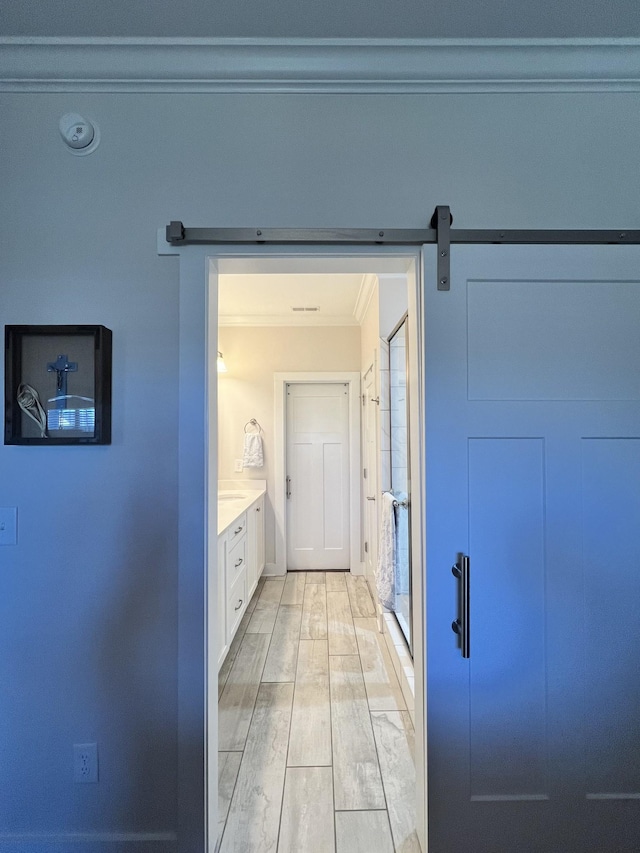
pixel 310 299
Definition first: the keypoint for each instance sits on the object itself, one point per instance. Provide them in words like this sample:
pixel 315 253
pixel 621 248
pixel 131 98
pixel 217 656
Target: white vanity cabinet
pixel 221 632
pixel 236 574
pixel 255 541
pixel 240 564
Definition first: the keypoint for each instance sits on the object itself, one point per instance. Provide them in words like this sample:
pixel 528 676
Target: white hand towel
pixel 386 569
pixel 253 456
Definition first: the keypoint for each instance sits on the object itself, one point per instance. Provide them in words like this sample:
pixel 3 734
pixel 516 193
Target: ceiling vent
pixel 305 307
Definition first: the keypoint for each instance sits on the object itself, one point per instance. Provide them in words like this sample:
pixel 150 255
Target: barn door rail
pixel 440 232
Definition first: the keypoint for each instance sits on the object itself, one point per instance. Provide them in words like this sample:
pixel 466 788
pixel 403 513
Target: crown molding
pixel 286 320
pixel 319 65
pixel 367 288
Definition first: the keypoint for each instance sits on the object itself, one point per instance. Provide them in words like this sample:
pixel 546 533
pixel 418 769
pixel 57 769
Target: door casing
pixel 370 483
pixel 197 464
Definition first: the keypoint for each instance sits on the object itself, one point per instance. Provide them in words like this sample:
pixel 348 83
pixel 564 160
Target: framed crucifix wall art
pixel 57 385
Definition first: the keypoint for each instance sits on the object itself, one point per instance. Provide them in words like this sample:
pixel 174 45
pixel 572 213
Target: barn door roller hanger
pixel 439 232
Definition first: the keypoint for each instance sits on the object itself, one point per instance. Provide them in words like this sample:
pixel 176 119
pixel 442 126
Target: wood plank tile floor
pixel 316 744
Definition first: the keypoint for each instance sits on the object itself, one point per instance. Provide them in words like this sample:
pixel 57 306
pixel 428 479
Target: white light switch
pixel 238 466
pixel 8 525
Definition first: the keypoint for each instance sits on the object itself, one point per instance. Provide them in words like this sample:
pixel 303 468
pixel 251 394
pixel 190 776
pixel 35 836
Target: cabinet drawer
pixel 236 561
pixel 236 604
pixel 237 529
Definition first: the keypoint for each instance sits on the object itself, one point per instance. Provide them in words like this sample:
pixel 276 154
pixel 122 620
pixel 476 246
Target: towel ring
pixel 253 422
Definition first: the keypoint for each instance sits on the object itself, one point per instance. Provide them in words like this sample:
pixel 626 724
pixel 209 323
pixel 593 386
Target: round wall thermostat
pixel 78 133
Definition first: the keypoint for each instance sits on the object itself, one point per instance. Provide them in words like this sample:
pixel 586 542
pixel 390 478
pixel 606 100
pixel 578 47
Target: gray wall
pixel 306 18
pixel 88 598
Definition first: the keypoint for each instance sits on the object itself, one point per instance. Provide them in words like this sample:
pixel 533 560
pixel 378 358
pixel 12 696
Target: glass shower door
pixel 400 478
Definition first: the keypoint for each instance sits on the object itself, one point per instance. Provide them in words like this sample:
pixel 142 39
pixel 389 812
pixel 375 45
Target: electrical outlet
pixel 8 525
pixel 85 762
pixel 238 466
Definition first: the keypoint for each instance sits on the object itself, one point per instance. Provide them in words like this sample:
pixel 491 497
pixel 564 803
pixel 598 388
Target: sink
pixel 234 497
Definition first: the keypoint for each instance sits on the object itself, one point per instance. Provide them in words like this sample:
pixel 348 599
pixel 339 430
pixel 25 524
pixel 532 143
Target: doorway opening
pixel 255 350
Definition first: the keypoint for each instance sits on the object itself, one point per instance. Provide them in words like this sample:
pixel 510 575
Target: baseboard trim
pixel 87 837
pixel 401 659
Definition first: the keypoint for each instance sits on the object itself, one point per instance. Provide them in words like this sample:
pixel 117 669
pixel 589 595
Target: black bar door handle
pixel 461 626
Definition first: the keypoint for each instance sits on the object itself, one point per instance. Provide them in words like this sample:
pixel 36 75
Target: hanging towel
pixel 385 575
pixel 401 580
pixel 253 456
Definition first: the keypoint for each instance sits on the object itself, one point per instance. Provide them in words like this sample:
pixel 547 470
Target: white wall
pixel 253 355
pixel 369 330
pixel 394 303
pixel 88 598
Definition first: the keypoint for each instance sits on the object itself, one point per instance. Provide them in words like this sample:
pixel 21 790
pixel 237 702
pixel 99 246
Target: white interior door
pixel 533 470
pixel 370 473
pixel 317 453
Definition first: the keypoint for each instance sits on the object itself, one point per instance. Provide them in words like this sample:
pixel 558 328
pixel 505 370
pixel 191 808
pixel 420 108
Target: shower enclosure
pixel 400 477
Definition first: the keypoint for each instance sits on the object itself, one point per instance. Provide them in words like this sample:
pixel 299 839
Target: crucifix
pixel 62 366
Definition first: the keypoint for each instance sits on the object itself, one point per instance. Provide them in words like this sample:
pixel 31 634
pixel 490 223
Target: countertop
pixel 229 510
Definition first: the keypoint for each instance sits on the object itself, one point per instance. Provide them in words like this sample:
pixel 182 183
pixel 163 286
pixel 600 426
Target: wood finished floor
pixel 316 745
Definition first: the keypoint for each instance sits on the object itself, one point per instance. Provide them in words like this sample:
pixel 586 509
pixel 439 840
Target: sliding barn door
pixel 533 473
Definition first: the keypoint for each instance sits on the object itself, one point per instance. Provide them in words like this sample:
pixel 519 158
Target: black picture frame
pixel 69 369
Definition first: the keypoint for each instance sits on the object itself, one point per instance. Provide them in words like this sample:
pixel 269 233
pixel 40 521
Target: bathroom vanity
pixel 240 554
